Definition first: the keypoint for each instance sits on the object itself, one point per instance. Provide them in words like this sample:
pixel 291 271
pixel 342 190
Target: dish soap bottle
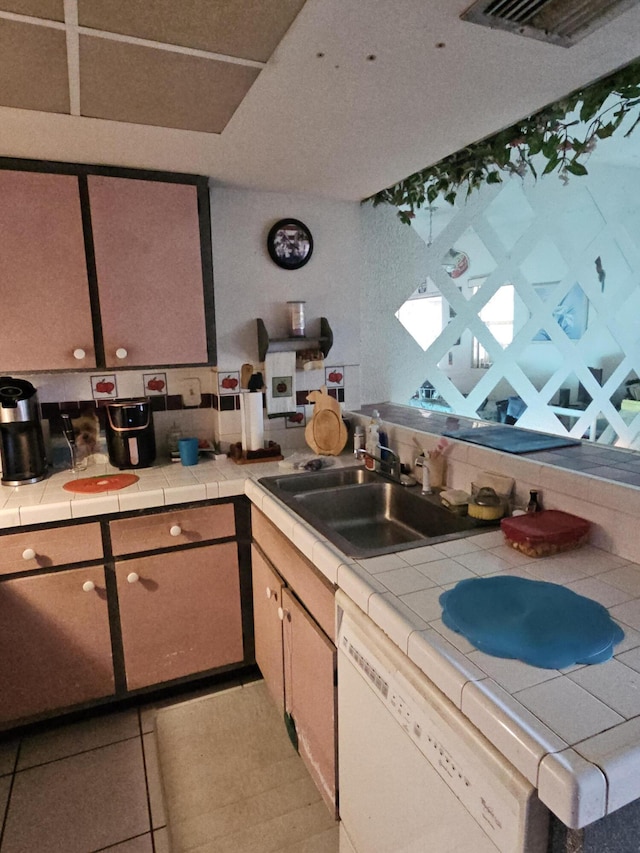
pixel 373 439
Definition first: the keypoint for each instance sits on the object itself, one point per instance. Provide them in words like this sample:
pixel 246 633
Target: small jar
pixel 534 502
pixel 296 319
pixel 173 436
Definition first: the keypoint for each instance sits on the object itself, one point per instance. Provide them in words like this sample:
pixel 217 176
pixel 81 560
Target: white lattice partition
pixel 556 244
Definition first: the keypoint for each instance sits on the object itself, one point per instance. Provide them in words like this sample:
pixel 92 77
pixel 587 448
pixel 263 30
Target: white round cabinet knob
pixel 175 530
pixel 282 614
pixel 79 353
pixel 133 577
pixel 269 592
pixel 28 554
pixel 121 353
pixel 88 586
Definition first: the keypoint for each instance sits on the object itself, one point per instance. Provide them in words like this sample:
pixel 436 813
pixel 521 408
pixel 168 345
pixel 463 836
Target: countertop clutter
pixel 573 733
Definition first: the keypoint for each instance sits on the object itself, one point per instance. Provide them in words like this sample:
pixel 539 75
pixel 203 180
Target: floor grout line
pixel 8 803
pixel 146 778
pixel 124 841
pixel 74 754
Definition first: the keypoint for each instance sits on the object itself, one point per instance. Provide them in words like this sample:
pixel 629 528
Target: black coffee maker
pixel 130 437
pixel 21 443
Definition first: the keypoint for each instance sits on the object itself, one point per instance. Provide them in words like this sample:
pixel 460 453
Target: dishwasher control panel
pixel 430 744
pixel 415 722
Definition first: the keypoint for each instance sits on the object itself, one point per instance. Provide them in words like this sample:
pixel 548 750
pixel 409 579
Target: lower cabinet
pixel 293 629
pixel 267 627
pixel 309 693
pixel 180 613
pixel 93 611
pixel 55 642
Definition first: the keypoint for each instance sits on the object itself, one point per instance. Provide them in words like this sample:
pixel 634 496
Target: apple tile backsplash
pixel 204 401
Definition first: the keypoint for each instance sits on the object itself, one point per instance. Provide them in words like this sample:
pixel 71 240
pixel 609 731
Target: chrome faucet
pixel 389 464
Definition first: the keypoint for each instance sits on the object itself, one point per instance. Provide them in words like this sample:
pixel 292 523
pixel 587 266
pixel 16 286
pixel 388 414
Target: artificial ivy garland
pixel 548 133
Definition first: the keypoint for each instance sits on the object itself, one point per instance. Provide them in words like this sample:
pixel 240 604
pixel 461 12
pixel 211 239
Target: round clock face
pixel 290 244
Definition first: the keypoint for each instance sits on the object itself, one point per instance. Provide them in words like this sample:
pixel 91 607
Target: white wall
pixel 248 284
pixel 395 264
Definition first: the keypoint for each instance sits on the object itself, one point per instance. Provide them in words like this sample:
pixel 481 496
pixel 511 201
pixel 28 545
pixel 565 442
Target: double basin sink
pixel 365 514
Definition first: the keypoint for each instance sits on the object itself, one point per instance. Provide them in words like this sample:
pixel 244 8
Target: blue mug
pixel 188 448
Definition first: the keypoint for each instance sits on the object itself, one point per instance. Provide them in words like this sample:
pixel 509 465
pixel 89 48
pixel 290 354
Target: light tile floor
pixel 86 786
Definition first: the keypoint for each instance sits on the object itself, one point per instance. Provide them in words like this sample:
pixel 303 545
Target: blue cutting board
pixel 540 623
pixel 511 439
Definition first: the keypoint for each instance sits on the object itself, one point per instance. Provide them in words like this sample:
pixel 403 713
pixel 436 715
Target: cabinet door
pixel 55 643
pixel 46 314
pixel 298 573
pixel 180 613
pixel 146 238
pixel 310 695
pixel 267 598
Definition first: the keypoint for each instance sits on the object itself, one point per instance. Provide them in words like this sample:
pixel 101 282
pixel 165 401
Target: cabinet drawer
pixel 175 527
pixel 312 588
pixel 54 546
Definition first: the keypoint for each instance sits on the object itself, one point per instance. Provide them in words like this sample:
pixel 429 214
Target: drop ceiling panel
pixel 249 29
pixel 52 10
pixel 33 67
pixel 142 85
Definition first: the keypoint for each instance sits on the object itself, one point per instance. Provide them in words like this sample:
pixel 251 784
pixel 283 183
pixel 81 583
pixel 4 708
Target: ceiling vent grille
pixel 562 22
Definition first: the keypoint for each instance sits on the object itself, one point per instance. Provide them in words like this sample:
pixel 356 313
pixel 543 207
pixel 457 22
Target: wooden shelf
pixel 324 342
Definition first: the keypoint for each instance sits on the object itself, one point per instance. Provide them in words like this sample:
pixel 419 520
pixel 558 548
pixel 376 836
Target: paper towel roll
pixel 252 420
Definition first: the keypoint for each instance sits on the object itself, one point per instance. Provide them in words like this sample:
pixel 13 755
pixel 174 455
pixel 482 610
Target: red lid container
pixel 540 534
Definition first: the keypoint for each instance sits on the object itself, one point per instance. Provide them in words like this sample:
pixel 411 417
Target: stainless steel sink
pixel 365 515
pixel 314 480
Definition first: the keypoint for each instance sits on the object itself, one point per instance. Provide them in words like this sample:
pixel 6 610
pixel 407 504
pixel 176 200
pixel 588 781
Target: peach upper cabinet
pixel 102 270
pixel 46 309
pixel 146 240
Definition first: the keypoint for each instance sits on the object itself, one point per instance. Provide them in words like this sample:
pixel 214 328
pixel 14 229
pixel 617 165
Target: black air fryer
pixel 130 438
pixel 21 442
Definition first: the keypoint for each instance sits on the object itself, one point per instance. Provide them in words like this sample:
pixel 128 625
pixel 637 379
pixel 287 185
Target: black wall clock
pixel 290 244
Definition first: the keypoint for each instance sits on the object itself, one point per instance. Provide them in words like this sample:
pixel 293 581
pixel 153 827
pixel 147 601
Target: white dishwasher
pixel 415 775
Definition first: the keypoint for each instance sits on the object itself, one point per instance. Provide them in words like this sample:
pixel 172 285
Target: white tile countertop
pixel 575 733
pixel 165 483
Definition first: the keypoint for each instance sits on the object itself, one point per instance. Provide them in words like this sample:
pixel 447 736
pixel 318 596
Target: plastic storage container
pixel 541 534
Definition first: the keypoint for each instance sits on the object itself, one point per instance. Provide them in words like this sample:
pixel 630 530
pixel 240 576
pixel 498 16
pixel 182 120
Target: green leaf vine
pixel 555 133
